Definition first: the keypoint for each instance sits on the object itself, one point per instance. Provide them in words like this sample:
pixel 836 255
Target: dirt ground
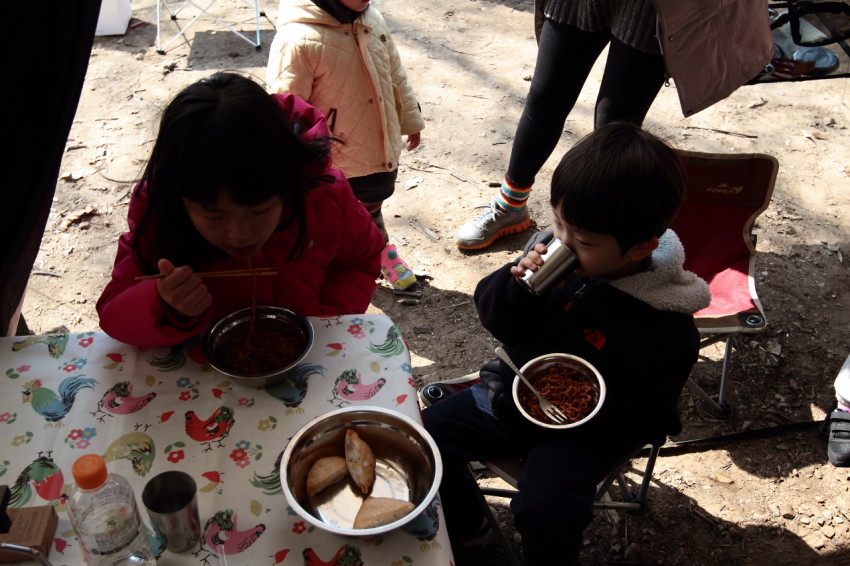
pixel 773 500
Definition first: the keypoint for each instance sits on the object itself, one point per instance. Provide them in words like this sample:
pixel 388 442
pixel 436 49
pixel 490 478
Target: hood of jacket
pixel 310 124
pixel 335 8
pixel 665 285
pixel 309 12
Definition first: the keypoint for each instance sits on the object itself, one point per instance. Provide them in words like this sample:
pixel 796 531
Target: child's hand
pixel 532 260
pixel 413 141
pixel 182 289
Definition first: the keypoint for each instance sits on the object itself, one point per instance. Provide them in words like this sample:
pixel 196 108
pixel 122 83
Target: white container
pixel 102 509
pixel 114 17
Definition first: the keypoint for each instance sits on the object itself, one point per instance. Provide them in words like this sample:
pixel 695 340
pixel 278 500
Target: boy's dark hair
pixel 226 133
pixel 619 180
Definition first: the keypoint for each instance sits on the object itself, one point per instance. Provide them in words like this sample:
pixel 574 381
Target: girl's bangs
pixel 247 181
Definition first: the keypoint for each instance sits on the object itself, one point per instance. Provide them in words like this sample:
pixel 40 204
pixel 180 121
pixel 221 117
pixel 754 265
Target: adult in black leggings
pixel 565 57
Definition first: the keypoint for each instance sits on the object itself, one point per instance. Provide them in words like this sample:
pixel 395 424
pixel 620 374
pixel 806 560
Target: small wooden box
pixel 31 526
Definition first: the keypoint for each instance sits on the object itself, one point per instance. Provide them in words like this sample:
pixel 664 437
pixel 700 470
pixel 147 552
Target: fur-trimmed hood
pixel 666 285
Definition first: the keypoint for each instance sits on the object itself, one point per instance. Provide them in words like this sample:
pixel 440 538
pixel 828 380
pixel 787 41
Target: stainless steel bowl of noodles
pixel 405 470
pixel 258 346
pixel 568 382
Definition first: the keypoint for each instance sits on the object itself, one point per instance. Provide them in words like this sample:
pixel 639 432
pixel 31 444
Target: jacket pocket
pixel 399 104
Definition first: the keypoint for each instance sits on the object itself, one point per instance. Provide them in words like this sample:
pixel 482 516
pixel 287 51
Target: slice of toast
pixel 361 461
pixel 379 511
pixel 325 472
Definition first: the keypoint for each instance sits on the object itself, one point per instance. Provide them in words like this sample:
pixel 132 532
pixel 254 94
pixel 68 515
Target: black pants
pixel 565 57
pixel 372 190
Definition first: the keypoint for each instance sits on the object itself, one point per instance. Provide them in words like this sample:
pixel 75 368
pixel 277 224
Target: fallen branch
pixel 454 174
pixel 454 306
pixel 727 132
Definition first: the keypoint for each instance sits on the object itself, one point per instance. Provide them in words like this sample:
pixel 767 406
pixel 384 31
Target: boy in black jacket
pixel 627 309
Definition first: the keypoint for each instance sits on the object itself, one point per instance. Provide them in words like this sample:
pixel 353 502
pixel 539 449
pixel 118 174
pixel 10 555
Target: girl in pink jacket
pixel 238 178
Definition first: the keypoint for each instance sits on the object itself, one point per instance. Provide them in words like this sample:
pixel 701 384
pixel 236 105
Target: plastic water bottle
pixel 103 512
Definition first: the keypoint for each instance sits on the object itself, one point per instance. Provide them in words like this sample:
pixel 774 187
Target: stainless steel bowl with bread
pixel 360 471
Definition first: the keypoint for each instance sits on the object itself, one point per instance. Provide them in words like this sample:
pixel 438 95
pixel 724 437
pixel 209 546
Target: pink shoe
pixel 395 270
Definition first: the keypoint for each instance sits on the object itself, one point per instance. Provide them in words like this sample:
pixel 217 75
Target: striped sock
pixel 512 198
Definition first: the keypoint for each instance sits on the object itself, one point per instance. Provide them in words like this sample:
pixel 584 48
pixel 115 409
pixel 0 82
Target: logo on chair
pixel 725 189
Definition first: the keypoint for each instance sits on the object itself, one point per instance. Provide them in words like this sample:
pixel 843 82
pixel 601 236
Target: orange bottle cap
pixel 89 471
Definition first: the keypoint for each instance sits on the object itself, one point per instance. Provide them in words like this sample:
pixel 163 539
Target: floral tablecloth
pixel 148 411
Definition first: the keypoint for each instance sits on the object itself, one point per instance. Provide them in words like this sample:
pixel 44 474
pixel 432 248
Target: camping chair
pixel 631 495
pixel 724 194
pixel 200 9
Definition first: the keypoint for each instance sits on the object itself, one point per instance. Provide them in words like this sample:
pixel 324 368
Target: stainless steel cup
pixel 558 260
pixel 172 503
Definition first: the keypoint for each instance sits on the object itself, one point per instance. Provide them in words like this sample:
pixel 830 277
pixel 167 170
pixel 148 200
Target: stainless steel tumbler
pixel 557 261
pixel 172 504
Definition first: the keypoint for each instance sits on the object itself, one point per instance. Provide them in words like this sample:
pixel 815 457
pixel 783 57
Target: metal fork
pixel 551 410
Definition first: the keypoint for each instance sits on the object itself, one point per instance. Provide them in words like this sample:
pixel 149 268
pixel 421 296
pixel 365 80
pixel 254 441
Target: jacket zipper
pixel 376 101
pixel 588 285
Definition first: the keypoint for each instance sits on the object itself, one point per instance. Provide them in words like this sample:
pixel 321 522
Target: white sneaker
pixel 491 224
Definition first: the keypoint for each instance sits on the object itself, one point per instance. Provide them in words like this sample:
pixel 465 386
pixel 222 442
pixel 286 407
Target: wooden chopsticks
pixel 259 271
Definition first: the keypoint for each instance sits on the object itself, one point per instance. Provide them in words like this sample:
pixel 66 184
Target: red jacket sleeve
pixel 132 311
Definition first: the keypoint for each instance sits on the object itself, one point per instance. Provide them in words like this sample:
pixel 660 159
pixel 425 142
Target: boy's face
pixel 600 254
pixel 240 231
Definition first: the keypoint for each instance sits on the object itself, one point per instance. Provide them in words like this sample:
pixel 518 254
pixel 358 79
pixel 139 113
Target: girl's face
pixel 241 231
pixel 600 254
pixel 355 5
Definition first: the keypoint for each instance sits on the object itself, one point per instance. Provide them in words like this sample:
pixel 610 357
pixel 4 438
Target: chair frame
pixel 173 12
pixel 633 501
pixel 700 187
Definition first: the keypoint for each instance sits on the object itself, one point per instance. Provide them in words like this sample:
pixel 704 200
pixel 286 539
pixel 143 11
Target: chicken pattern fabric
pixel 150 411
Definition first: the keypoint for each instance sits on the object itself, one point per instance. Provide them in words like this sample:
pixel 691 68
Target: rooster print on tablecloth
pixel 393 344
pixel 137 447
pixel 119 400
pixel 178 354
pixel 56 343
pixel 45 477
pixel 347 555
pixel 292 390
pixel 221 537
pixel 425 526
pixel 50 405
pixel 349 386
pixel 270 483
pixel 214 429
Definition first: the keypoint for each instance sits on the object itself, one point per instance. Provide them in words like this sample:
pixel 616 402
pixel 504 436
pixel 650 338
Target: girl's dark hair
pixel 619 180
pixel 222 133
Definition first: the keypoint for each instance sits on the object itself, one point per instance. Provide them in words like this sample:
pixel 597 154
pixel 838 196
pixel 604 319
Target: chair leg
pixel 719 407
pixel 635 502
pixel 727 355
pixel 648 471
pixel 494 524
